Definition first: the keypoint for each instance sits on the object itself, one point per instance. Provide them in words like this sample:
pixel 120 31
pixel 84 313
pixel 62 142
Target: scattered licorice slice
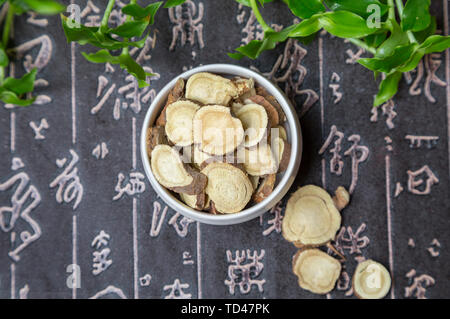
pixel 371 280
pixel 316 270
pixel 311 217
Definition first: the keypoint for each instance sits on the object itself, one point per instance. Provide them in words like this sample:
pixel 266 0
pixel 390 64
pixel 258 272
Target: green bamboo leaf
pixel 280 36
pixel 23 85
pixel 429 31
pixel 305 8
pixel 247 2
pixel 45 7
pixel 4 60
pixel 91 35
pixel 173 3
pixel 345 24
pixel 124 60
pixel 416 15
pixel 139 13
pixel 388 88
pixel 9 97
pixel 253 49
pixel 101 56
pixel 376 39
pixel 127 63
pixel 130 29
pixel 307 27
pixel 356 6
pixel 397 38
pixel 236 55
pixel 435 43
pixel 387 64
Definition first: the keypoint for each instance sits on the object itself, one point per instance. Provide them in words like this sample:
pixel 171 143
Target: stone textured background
pixel 149 251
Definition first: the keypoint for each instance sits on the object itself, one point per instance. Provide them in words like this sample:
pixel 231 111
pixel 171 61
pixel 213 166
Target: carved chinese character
pixel 346 239
pixel 275 222
pixel 244 271
pixel 135 185
pixel 176 290
pixel 414 181
pixel 128 96
pixel 293 73
pixel 100 262
pixel 419 285
pixel 336 163
pixel 68 182
pixel 188 24
pixel 359 154
pixel 24 200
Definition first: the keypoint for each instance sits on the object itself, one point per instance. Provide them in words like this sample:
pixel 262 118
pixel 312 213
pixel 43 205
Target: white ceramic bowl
pixel 284 181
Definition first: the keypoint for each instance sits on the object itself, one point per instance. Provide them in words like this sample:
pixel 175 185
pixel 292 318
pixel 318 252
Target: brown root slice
pixel 265 188
pixel 282 132
pixel 244 85
pixel 272 100
pixel 282 152
pixel 170 171
pixel 229 159
pixel 255 121
pixel 212 208
pixel 197 202
pixel 216 131
pixel 156 135
pixel 209 88
pixel 259 160
pixel 310 219
pixel 316 270
pixel 229 188
pixel 175 94
pixel 272 113
pixel 341 198
pixel 371 280
pixel 179 122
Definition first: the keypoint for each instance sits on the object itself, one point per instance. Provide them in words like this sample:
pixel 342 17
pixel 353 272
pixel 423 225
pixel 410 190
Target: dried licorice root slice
pixel 282 152
pixel 216 131
pixel 341 198
pixel 245 87
pixel 311 217
pixel 179 122
pixel 209 88
pixel 259 160
pixel 235 107
pixel 371 280
pixel 272 100
pixel 229 188
pixel 200 157
pixel 254 180
pixel 175 94
pixel 265 188
pixel 281 132
pixel 197 202
pixel 172 173
pixel 272 113
pixel 254 120
pixel 316 271
pixel 156 135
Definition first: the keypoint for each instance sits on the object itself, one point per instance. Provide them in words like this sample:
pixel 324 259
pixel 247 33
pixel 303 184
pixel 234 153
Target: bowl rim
pixel 284 183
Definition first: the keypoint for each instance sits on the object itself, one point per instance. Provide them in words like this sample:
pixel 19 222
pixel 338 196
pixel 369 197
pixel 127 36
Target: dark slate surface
pixel 406 231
